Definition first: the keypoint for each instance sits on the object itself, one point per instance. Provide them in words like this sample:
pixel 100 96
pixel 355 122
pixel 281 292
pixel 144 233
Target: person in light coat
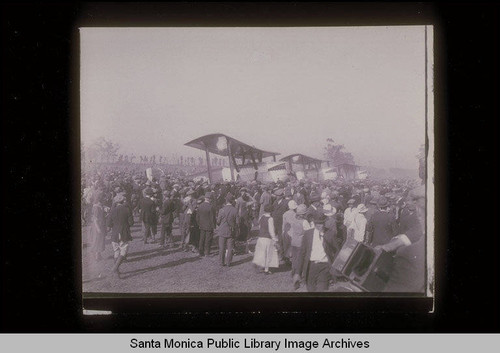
pixel 357 227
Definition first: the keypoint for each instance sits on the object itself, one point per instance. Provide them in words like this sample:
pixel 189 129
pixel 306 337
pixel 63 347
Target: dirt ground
pixel 151 269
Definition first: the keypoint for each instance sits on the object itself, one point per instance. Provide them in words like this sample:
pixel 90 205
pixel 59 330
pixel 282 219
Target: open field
pixel 150 269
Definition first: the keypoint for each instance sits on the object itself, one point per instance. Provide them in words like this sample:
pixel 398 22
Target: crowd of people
pixel 298 225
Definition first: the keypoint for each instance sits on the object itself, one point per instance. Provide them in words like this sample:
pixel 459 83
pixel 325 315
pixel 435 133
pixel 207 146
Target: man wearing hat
pixel 350 212
pixel 206 219
pixel 316 205
pixel 226 230
pixel 329 211
pixel 158 201
pixel 120 220
pixel 299 195
pixel 167 218
pixel 98 226
pixel 289 219
pixel 315 257
pixel 366 196
pixel 280 206
pixel 408 247
pixel 379 230
pixel 265 199
pixel 146 208
pixel 372 208
pixel 244 205
pixel 189 233
pixel 298 227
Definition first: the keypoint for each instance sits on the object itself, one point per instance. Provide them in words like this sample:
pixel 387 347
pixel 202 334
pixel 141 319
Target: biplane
pixel 348 171
pixel 302 167
pixel 246 162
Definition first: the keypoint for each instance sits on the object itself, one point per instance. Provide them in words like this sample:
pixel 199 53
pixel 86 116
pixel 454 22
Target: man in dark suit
pixel 206 219
pixel 120 220
pixel 280 206
pixel 315 257
pixel 167 218
pixel 380 228
pixel 315 207
pixel 226 230
pixel 147 209
pixel 408 247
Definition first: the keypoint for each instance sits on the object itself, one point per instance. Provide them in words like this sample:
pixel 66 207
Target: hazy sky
pixel 281 89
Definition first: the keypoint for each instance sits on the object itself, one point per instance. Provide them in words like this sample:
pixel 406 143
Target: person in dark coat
pixel 147 209
pixel 167 218
pixel 120 220
pixel 408 247
pixel 315 257
pixel 244 208
pixel 315 207
pixel 336 232
pixel 206 219
pixel 226 230
pixel 280 206
pixel 379 230
pixel 194 229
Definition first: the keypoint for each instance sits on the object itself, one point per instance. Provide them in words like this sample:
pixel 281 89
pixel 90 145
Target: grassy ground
pixel 149 269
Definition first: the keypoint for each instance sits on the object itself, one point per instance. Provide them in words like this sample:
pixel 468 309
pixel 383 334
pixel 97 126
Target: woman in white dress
pixel 266 254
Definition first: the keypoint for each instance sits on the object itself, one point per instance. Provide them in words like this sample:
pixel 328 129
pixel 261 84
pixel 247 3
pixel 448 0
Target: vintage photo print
pixel 257 160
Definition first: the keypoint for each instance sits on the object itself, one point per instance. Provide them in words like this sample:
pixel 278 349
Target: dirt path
pixel 150 269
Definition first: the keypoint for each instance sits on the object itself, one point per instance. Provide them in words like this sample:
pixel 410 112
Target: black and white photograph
pixel 257 160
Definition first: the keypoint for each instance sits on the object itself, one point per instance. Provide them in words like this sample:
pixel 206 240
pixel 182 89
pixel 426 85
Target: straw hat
pixel 362 208
pixel 329 210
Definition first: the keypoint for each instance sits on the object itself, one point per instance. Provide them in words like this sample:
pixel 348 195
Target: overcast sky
pixel 280 89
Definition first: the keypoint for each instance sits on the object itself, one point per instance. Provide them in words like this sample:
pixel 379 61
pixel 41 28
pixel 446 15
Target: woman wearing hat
pixel 266 254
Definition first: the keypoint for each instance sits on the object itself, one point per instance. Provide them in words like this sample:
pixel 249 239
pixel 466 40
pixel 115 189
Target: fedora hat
pixel 382 202
pixel 319 218
pixel 314 197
